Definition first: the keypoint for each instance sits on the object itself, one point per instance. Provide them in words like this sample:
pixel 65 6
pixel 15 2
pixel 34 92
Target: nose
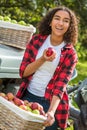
pixel 61 22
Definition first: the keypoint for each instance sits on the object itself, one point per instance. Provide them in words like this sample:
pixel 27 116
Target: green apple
pixel 35 111
pixel 29 109
pixel 22 22
pixel 13 21
pixel 6 18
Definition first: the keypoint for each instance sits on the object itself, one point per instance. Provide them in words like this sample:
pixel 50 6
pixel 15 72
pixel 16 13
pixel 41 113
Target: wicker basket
pixel 14 34
pixel 14 118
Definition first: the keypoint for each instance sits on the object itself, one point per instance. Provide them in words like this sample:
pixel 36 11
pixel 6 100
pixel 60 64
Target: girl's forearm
pixel 54 104
pixel 32 67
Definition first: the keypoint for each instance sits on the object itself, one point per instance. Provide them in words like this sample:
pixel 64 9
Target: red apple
pixel 6 97
pixel 42 112
pixel 36 105
pixel 40 107
pixel 10 96
pixel 50 51
pixel 18 101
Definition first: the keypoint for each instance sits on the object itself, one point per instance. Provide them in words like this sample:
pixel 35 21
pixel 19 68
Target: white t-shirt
pixel 45 72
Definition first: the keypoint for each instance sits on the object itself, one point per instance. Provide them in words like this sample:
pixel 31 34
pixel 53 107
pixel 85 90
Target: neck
pixel 56 40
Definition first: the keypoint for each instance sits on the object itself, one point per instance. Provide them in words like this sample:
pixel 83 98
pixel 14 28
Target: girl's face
pixel 60 23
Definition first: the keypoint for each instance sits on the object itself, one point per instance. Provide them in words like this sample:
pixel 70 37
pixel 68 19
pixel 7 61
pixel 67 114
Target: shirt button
pixel 47 87
pixel 61 55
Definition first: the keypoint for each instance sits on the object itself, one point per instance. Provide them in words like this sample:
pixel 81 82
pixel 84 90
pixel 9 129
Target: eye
pixel 56 18
pixel 66 20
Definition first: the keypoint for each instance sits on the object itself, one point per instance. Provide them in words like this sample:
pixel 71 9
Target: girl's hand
pixel 48 58
pixel 50 119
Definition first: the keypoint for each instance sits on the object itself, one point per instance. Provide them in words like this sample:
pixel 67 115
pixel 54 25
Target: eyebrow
pixel 59 17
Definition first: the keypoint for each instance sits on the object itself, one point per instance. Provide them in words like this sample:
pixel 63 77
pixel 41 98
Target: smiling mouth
pixel 59 28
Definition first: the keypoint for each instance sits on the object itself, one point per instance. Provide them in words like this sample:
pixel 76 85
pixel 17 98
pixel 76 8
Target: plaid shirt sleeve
pixel 64 73
pixel 28 57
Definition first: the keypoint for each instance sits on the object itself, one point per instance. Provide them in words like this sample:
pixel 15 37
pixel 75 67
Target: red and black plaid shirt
pixel 57 85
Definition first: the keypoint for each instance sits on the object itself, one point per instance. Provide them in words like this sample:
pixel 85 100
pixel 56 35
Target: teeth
pixel 59 28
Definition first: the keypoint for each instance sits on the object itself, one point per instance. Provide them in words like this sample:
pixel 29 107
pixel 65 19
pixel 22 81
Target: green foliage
pixel 81 51
pixel 81 72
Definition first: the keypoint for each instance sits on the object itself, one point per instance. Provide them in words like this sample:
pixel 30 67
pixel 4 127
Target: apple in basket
pixel 29 109
pixel 36 105
pixel 28 104
pixel 50 51
pixel 23 107
pixel 10 96
pixel 37 108
pixel 6 97
pixel 18 101
pixel 36 111
pixel 42 112
pixel 2 94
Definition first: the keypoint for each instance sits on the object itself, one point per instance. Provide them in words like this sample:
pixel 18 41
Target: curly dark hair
pixel 71 36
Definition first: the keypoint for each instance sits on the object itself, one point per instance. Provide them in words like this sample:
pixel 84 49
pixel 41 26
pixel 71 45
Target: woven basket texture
pixel 11 121
pixel 15 35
